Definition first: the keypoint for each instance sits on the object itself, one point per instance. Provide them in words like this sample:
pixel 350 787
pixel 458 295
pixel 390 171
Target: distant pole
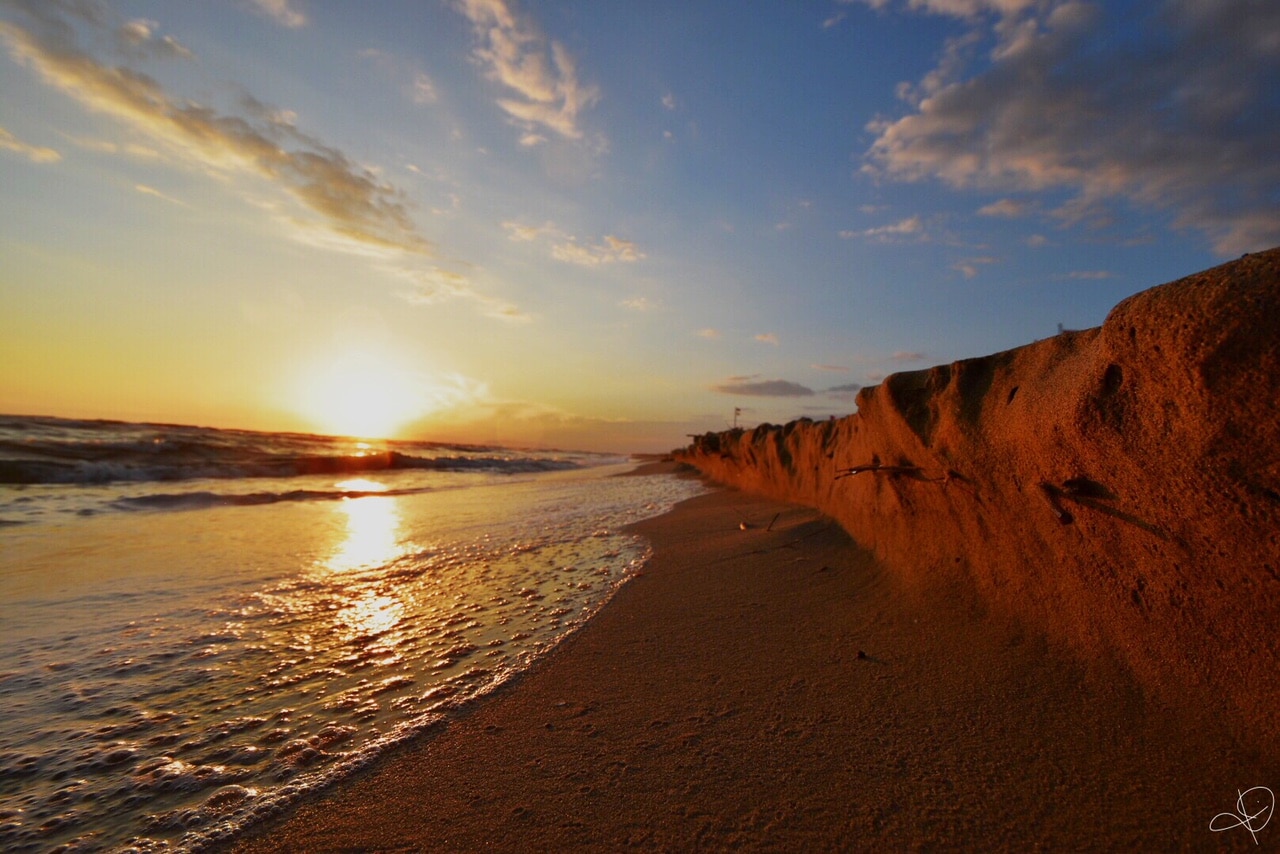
pixel 736 412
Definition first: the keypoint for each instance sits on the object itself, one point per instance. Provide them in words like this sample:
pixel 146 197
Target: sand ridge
pixel 1118 487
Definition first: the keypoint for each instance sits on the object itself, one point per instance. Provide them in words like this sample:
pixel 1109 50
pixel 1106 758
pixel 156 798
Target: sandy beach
pixel 774 688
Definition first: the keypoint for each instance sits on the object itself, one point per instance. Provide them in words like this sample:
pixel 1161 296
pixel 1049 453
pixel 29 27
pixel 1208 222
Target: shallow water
pixel 169 675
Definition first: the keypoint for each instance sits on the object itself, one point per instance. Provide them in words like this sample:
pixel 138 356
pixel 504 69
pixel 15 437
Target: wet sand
pixel 774 688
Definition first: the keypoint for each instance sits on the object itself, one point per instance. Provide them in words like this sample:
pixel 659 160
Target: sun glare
pixel 362 394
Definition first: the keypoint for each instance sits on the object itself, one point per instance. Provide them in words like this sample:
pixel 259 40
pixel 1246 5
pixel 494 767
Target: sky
pixel 600 226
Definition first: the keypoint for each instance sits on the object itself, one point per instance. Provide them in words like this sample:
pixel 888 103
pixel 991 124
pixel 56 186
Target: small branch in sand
pixel 914 472
pixel 769 527
pixel 1052 495
pixel 877 468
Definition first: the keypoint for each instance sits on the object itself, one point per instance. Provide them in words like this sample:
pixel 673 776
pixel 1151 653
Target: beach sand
pixel 775 688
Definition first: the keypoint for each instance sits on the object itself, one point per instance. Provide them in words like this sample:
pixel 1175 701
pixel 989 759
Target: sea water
pixel 199 626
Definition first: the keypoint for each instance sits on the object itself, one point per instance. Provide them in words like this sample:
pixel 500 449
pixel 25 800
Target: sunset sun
pixel 363 394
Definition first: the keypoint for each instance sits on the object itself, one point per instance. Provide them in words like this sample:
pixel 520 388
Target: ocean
pixel 200 626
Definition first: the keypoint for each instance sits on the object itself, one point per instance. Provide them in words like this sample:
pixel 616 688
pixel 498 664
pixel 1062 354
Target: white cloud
pixel 709 333
pixel 424 90
pixel 1179 118
pixel 767 338
pixel 969 266
pixel 566 247
pixel 611 249
pixel 516 231
pixel 417 85
pixel 282 12
pixel 910 228
pixel 435 285
pixel 1004 208
pixel 106 146
pixel 958 8
pixel 541 76
pixel 34 153
pixel 147 190
pixel 137 31
pixel 139 38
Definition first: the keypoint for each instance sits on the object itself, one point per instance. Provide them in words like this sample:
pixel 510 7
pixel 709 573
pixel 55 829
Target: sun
pixel 361 393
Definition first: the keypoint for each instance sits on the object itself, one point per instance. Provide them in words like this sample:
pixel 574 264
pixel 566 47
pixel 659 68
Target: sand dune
pixel 1118 487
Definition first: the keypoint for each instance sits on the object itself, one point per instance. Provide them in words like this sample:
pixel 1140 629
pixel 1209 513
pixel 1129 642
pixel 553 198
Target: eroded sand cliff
pixel 1118 487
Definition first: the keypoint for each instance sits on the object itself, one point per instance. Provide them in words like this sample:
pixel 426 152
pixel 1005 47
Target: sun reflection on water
pixel 372 621
pixel 373 532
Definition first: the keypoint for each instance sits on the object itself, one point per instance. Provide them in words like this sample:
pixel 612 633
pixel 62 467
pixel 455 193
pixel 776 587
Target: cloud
pixel 762 388
pixel 848 391
pixel 1175 116
pixel 1004 208
pixel 350 200
pixel 541 76
pixel 139 36
pixel 434 285
pixel 831 368
pixel 152 191
pixel 611 249
pixel 340 205
pixel 908 356
pixel 711 334
pixel 106 146
pixel 34 153
pixel 669 101
pixel 1090 274
pixel 517 231
pixel 416 85
pixel 282 12
pixel 565 247
pixel 767 338
pixel 969 266
pixel 640 304
pixel 424 89
pixel 911 227
pixel 955 8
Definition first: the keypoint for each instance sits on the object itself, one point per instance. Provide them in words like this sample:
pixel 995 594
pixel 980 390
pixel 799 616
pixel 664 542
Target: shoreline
pixel 781 689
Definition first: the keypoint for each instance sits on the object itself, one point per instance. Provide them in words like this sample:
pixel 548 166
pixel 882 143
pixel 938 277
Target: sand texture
pixel 1117 487
pixel 720 702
